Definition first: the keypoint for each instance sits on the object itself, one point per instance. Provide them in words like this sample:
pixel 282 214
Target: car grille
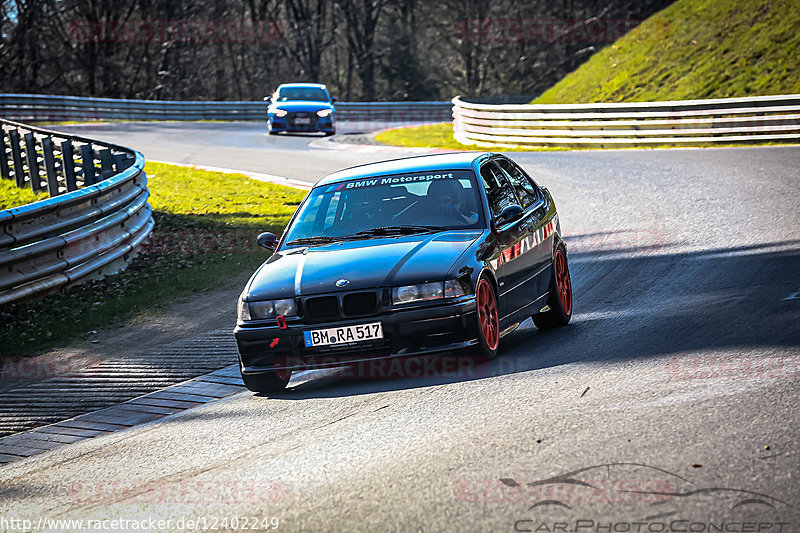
pixel 352 304
pixel 291 118
pixel 359 303
pixel 324 307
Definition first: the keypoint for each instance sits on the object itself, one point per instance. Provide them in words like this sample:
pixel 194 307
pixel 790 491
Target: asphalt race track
pixel 670 403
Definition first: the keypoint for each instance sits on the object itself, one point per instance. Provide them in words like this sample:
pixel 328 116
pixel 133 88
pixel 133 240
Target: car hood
pixel 300 105
pixel 365 264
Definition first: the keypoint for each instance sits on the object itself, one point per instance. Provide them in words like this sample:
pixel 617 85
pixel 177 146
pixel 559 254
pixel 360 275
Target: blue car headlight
pixel 322 113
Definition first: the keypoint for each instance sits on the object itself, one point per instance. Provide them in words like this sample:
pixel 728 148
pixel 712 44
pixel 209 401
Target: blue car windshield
pixel 310 94
pixel 439 199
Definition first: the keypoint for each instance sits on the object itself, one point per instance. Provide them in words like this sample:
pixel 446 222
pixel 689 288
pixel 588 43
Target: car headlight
pixel 266 309
pixel 324 112
pixel 453 288
pixel 281 112
pixel 436 290
pixel 242 310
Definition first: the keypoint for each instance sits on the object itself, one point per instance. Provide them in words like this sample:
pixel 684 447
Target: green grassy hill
pixel 694 49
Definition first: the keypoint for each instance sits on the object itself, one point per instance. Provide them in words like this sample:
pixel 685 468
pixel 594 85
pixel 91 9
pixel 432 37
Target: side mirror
pixel 508 214
pixel 268 240
pixel 334 99
pixel 268 99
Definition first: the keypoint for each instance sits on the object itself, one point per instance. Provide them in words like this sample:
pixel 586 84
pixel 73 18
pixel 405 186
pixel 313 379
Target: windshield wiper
pixel 399 230
pixel 314 240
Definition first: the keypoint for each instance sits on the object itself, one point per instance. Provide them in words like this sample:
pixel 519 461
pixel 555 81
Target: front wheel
pixel 559 296
pixel 488 324
pixel 273 381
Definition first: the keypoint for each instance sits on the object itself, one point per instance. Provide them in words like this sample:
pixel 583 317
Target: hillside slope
pixel 694 49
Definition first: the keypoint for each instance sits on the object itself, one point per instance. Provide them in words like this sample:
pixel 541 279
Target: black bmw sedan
pixel 415 256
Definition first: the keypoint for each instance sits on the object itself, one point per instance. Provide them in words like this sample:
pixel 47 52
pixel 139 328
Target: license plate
pixel 343 335
pixel 302 121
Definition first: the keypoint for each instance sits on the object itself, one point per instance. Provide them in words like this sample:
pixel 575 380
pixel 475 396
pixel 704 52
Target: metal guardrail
pixel 43 108
pixel 685 122
pixel 95 218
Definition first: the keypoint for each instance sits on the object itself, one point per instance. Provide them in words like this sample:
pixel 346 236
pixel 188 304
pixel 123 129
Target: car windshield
pixel 311 94
pixel 387 205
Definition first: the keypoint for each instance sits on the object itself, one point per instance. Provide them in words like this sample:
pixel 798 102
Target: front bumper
pixel 286 123
pixel 407 332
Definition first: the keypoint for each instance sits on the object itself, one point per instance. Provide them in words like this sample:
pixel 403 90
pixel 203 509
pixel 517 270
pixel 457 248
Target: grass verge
pixel 206 225
pixel 438 136
pixel 13 196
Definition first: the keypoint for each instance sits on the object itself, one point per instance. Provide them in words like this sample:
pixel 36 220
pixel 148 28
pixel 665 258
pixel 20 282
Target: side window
pixel 523 186
pixel 498 191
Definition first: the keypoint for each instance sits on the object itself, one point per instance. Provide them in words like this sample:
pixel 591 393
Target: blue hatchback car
pixel 301 107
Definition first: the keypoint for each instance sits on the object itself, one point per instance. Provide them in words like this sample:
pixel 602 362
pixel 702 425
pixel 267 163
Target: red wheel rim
pixel 563 283
pixel 487 315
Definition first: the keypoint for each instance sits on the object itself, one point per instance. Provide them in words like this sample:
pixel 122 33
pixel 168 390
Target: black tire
pixel 271 132
pixel 329 133
pixel 268 381
pixel 486 320
pixel 559 295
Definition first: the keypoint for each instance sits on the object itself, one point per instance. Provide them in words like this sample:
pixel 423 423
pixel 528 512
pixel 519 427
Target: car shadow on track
pixel 667 305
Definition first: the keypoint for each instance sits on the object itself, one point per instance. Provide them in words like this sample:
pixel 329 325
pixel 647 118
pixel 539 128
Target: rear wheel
pixel 488 324
pixel 559 297
pixel 273 381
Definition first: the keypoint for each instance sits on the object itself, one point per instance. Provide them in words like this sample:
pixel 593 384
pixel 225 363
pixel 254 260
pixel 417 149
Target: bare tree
pixel 361 18
pixel 311 27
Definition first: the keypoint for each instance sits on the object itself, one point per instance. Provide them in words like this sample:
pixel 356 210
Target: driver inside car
pixel 446 200
pixel 363 209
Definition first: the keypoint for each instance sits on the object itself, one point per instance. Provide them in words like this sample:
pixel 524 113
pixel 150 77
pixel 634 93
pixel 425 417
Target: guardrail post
pixel 87 154
pixel 5 171
pixel 120 161
pixel 68 162
pixel 106 163
pixel 33 162
pixel 16 155
pixel 50 166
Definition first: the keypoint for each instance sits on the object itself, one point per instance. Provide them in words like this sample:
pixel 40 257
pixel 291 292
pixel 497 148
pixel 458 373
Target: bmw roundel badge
pixel 342 282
